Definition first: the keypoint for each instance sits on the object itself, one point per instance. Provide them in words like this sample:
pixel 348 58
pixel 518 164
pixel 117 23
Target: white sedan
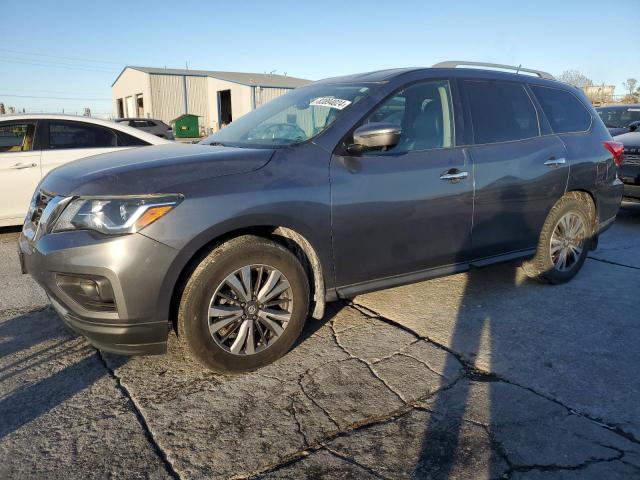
pixel 32 145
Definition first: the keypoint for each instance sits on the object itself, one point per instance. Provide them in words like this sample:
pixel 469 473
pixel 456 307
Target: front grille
pixel 631 159
pixel 40 202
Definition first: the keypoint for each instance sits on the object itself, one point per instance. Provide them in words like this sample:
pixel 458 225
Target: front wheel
pixel 244 305
pixel 565 240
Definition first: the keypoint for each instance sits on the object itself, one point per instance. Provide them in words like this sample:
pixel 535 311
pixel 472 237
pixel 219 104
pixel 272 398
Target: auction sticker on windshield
pixel 331 102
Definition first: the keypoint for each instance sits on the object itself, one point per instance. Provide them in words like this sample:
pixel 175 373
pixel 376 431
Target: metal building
pixel 217 97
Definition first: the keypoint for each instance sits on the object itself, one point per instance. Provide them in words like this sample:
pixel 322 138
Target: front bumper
pixel 135 267
pixel 632 191
pixel 630 176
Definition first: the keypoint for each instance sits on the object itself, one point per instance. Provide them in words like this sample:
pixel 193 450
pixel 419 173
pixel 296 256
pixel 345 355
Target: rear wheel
pixel 565 240
pixel 244 305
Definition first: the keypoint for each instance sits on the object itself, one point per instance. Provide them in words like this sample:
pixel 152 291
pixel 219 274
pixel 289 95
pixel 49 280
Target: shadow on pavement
pixel 444 445
pixel 42 364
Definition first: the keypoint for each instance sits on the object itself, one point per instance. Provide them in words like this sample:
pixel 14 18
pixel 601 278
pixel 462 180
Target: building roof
pixel 252 79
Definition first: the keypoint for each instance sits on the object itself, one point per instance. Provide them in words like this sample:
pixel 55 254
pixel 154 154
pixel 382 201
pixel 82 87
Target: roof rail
pixel 457 63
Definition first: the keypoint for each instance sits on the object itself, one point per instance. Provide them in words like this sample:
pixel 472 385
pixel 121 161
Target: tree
pixel 575 78
pixel 631 85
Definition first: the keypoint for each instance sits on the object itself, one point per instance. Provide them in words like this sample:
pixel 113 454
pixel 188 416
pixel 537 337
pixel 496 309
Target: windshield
pixel 292 118
pixel 619 117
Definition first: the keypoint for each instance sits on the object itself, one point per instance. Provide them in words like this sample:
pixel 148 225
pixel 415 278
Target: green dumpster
pixel 186 126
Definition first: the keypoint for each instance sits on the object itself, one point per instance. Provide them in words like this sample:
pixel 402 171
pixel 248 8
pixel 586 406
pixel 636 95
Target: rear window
pixel 501 111
pixel 564 111
pixel 64 135
pixel 619 117
pixel 126 140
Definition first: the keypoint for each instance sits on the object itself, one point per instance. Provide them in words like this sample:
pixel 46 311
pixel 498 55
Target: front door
pixel 19 170
pixel 398 211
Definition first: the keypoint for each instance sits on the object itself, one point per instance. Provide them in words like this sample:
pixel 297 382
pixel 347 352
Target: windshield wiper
pixel 217 144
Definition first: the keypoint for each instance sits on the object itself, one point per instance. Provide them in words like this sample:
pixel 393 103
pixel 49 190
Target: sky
pixel 64 55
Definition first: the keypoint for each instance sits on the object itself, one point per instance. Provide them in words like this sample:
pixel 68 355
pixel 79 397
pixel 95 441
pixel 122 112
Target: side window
pixel 500 111
pixel 150 123
pixel 563 110
pixel 79 135
pixel 126 140
pixel 424 111
pixel 17 137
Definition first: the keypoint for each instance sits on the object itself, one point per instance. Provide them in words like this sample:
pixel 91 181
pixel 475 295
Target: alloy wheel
pixel 567 241
pixel 250 309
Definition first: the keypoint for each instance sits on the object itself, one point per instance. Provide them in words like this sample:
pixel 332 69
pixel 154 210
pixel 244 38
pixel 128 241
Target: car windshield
pixel 619 117
pixel 292 118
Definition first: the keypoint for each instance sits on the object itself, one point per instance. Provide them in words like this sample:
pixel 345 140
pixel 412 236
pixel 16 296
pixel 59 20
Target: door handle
pixel 553 161
pixel 454 175
pixel 20 166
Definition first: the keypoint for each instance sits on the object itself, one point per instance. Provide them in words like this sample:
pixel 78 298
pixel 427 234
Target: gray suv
pixel 149 125
pixel 341 187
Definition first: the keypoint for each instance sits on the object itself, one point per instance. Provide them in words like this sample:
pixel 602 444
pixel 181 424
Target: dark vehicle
pixel 620 119
pixel 341 187
pixel 629 171
pixel 149 125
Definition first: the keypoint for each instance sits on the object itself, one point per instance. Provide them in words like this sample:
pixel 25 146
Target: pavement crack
pixel 428 367
pixel 313 400
pixel 140 417
pixel 475 374
pixel 354 462
pixel 402 351
pixel 366 363
pixel 557 468
pixel 617 264
pixel 294 413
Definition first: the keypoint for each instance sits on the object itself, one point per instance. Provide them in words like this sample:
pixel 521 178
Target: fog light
pixel 88 291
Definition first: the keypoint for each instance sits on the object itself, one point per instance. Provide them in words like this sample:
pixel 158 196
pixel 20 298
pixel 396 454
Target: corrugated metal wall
pixel 197 99
pixel 265 94
pixel 309 120
pixel 167 97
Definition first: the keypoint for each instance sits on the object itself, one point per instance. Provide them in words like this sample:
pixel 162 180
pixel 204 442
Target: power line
pixel 64 92
pixel 58 65
pixel 51 63
pixel 22 52
pixel 56 98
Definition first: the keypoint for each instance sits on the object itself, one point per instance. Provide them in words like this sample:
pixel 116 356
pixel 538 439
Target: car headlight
pixel 115 215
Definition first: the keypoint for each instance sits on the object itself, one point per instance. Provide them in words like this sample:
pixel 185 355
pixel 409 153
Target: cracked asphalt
pixel 484 374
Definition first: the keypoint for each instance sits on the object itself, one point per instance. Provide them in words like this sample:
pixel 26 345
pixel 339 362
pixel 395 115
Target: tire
pixel 571 210
pixel 208 302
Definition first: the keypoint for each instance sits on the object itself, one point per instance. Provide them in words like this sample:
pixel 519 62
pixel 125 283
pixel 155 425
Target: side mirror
pixel 633 126
pixel 375 135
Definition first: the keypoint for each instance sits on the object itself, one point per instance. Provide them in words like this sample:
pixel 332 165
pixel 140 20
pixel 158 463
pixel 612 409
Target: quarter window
pixel 563 110
pixel 501 111
pixel 17 137
pixel 424 113
pixel 77 135
pixel 126 140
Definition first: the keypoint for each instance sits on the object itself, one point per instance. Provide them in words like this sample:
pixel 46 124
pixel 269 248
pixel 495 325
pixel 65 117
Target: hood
pixel 629 140
pixel 617 131
pixel 154 169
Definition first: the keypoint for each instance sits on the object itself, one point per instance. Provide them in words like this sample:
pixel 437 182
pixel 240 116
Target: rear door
pixel 68 140
pixel 393 213
pixel 19 169
pixel 521 169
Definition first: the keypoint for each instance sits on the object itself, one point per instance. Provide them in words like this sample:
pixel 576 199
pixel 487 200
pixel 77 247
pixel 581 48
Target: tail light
pixel 616 149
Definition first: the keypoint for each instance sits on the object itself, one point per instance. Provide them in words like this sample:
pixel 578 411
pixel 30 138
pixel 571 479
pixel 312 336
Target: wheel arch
pixel 290 238
pixel 590 198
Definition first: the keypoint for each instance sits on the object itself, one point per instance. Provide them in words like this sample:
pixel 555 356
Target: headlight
pixel 115 215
